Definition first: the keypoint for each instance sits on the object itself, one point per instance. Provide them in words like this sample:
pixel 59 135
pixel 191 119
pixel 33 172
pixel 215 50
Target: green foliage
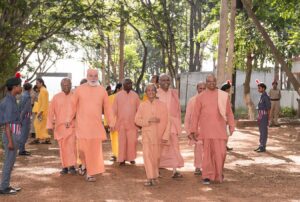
pixel 287 112
pixel 241 113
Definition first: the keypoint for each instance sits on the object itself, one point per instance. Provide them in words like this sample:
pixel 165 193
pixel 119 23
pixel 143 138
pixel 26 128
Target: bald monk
pixel 60 106
pixel 152 116
pixel 212 112
pixel 125 107
pixel 170 154
pixel 88 102
pixel 198 150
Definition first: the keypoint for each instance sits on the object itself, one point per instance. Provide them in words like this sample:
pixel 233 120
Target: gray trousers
pixel 24 133
pixel 9 160
pixel 263 130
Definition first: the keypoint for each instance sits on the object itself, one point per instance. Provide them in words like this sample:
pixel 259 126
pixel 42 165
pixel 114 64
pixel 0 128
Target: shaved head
pixel 211 82
pixel 66 85
pixel 164 81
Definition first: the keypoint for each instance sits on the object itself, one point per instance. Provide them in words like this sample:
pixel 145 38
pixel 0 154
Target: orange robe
pixel 152 134
pixel 170 154
pixel 87 105
pixel 198 150
pixel 212 130
pixel 60 106
pixel 125 107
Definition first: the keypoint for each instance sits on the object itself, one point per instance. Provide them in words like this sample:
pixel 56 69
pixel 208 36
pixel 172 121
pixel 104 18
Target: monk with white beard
pixel 89 100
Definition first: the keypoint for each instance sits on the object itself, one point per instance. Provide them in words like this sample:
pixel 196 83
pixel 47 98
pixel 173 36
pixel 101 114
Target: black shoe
pixel 16 188
pixel 72 170
pixel 229 148
pixel 32 135
pixel 8 191
pixel 24 153
pixel 257 149
pixel 132 162
pixel 261 150
pixel 113 158
pixel 122 163
pixel 206 181
pixel 64 171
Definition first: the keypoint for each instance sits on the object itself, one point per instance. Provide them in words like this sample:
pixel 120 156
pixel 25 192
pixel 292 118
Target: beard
pixel 93 83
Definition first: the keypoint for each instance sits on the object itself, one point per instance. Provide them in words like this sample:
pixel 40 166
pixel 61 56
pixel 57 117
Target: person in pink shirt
pixel 212 112
pixel 59 107
pixel 125 107
pixel 198 151
pixel 152 116
pixel 170 153
pixel 89 101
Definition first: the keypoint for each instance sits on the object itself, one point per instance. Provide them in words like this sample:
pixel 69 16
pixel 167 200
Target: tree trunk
pixel 276 71
pixel 140 78
pixel 247 95
pixel 230 61
pixel 192 17
pixel 221 62
pixel 110 62
pixel 277 55
pixel 121 46
pixel 197 27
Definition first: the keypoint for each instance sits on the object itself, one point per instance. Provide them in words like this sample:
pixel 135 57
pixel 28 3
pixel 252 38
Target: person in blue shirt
pixel 264 107
pixel 10 120
pixel 25 110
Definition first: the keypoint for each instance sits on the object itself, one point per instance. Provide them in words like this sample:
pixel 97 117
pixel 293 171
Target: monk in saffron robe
pixel 170 154
pixel 152 116
pixel 212 112
pixel 125 107
pixel 40 121
pixel 198 150
pixel 88 102
pixel 60 106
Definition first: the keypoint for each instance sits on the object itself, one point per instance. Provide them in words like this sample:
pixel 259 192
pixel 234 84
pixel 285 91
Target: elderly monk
pixel 152 116
pixel 154 80
pixel 198 151
pixel 60 106
pixel 170 153
pixel 88 102
pixel 212 112
pixel 125 107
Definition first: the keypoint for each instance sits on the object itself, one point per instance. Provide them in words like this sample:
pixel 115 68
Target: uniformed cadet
pixel 26 111
pixel 264 107
pixel 10 120
pixel 275 96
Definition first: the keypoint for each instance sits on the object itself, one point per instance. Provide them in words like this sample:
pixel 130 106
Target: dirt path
pixel 249 176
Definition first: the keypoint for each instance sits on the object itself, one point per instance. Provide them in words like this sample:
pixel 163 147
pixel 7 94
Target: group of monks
pixel 75 118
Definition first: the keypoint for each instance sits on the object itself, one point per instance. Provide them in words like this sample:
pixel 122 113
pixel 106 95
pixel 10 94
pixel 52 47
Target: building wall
pixel 188 82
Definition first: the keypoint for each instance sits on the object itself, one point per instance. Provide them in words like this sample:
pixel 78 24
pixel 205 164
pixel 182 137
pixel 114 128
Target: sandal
pixel 177 175
pixel 46 142
pixel 81 170
pixel 90 179
pixel 148 183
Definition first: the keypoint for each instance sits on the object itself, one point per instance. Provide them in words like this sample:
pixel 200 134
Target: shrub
pixel 287 112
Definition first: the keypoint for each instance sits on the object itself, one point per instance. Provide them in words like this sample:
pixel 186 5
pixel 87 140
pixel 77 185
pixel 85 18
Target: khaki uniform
pixel 275 96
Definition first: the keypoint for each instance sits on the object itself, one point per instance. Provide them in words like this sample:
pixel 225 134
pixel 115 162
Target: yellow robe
pixel 113 134
pixel 42 106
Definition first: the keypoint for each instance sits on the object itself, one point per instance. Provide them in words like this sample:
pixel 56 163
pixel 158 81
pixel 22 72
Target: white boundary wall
pixel 188 82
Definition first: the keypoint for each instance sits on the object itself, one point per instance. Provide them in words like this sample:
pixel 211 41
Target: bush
pixel 287 112
pixel 241 113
